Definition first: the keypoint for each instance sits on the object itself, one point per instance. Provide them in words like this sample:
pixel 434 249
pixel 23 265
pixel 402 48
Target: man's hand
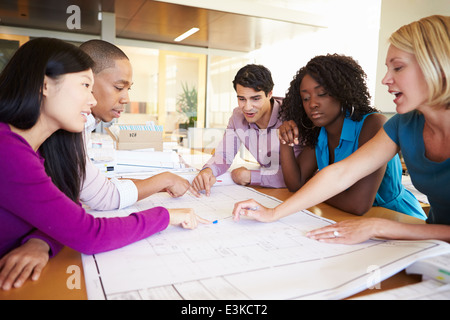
pixel 178 186
pixel 204 181
pixel 241 176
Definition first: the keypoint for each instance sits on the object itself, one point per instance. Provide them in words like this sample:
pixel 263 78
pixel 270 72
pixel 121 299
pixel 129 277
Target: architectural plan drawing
pixel 245 259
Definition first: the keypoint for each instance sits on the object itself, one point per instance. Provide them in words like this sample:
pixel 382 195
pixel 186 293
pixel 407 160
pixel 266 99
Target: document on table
pixel 245 259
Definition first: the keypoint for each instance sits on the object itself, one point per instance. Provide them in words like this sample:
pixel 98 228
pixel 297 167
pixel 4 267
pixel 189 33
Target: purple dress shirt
pixel 263 144
pixel 31 206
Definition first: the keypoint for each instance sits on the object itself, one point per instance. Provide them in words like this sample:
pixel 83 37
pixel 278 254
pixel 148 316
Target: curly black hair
pixel 342 77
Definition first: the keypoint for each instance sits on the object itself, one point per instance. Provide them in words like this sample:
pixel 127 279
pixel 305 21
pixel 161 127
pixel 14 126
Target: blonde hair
pixel 429 40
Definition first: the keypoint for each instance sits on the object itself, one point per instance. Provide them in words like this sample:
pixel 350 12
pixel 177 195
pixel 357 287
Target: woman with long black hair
pixel 45 98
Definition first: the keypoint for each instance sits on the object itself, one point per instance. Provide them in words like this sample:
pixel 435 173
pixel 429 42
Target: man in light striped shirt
pixel 112 81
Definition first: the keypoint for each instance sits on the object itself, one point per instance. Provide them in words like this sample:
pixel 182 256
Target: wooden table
pixel 60 270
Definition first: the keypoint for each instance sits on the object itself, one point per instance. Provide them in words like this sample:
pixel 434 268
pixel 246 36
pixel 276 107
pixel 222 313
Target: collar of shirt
pixel 348 133
pixel 91 123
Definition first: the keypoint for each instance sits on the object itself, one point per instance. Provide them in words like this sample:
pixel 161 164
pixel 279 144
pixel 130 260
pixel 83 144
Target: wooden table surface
pixel 57 279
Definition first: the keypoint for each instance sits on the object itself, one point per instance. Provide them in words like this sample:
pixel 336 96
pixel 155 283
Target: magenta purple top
pixel 31 206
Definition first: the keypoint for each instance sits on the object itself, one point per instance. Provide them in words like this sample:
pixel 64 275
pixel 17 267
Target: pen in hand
pixel 244 211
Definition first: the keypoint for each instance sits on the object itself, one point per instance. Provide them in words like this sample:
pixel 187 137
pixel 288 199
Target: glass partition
pixel 8 46
pixel 221 94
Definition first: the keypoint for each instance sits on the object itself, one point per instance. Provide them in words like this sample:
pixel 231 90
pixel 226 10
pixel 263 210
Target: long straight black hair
pixel 21 87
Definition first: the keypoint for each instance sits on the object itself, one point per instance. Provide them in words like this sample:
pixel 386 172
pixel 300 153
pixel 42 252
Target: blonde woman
pixel 418 73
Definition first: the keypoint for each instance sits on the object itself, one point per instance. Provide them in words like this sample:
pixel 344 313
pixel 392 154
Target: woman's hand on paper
pixel 185 218
pixel 347 232
pixel 19 264
pixel 254 210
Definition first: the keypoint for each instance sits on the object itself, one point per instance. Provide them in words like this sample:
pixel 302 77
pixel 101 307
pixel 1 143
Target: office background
pixel 188 83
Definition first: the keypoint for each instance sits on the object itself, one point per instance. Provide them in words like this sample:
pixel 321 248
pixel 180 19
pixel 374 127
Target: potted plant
pixel 187 105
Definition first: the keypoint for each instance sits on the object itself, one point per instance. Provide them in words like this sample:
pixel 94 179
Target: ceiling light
pixel 186 34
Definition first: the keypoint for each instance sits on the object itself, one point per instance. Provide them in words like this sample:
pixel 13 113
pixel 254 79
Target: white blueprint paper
pixel 245 259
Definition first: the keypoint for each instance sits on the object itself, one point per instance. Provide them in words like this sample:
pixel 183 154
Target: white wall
pixel 353 28
pixel 394 14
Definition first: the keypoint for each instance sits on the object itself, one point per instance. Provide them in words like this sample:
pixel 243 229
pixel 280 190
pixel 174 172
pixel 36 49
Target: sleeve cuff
pixel 255 177
pixel 54 245
pixel 215 171
pixel 127 190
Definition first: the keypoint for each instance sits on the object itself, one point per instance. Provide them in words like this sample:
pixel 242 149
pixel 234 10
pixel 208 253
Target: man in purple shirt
pixel 254 123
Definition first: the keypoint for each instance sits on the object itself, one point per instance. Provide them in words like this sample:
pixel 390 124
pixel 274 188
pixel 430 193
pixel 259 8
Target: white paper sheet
pixel 245 259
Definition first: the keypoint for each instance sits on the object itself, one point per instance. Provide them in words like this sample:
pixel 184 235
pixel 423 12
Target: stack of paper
pixel 145 160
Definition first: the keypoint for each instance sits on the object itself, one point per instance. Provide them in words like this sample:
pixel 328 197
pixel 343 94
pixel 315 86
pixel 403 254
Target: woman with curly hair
pixel 418 69
pixel 329 102
pixel 327 112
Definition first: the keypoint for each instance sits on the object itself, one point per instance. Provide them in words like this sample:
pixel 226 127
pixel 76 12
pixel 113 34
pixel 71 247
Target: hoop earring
pixel 351 114
pixel 301 122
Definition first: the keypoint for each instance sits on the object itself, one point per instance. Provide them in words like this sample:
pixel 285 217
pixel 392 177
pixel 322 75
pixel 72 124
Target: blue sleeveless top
pixel 429 177
pixel 391 194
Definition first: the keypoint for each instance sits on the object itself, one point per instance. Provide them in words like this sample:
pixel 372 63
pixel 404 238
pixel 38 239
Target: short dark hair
pixel 103 53
pixel 254 76
pixel 21 87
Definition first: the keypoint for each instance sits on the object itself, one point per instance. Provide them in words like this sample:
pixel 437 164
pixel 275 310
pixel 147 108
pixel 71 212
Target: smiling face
pixel 405 80
pixel 111 90
pixel 68 101
pixel 321 108
pixel 255 105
